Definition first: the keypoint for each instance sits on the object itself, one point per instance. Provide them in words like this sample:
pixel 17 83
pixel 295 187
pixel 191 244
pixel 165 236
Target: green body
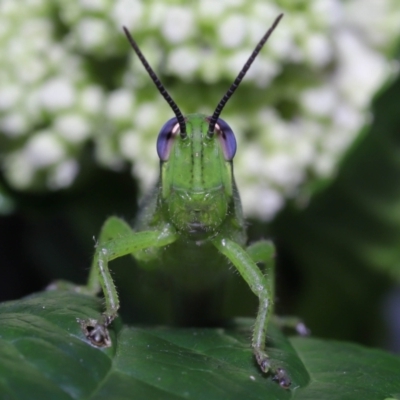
pixel 197 194
pixel 191 225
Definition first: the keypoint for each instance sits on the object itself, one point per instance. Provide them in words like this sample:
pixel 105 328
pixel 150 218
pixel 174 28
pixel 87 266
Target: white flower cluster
pixel 67 75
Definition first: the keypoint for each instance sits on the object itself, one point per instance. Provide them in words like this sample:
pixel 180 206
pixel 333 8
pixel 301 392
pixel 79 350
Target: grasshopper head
pixel 196 155
pixel 196 172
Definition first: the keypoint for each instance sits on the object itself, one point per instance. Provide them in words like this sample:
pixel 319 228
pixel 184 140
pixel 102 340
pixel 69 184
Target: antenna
pixel 242 73
pixel 159 85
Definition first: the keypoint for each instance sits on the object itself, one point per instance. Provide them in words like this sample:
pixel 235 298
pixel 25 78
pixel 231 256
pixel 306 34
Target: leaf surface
pixel 45 355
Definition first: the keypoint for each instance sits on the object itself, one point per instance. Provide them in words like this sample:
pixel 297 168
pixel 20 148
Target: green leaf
pixel 45 355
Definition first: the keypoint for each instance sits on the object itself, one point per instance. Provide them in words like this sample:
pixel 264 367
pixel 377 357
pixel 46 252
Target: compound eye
pixel 227 139
pixel 166 137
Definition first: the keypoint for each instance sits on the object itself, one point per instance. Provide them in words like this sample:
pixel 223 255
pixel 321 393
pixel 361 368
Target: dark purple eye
pixel 227 139
pixel 165 138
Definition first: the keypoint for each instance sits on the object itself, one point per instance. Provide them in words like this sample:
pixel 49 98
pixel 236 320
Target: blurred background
pixel 317 120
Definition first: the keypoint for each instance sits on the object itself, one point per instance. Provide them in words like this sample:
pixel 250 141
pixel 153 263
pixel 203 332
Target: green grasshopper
pixel 191 225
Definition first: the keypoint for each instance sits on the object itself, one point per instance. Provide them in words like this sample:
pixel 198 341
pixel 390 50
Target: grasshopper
pixel 191 224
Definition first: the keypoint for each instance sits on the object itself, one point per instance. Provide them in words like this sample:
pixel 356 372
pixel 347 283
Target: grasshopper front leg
pixel 262 286
pixel 116 240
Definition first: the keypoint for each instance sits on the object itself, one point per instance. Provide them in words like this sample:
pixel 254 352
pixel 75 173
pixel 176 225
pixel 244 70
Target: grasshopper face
pixel 196 173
